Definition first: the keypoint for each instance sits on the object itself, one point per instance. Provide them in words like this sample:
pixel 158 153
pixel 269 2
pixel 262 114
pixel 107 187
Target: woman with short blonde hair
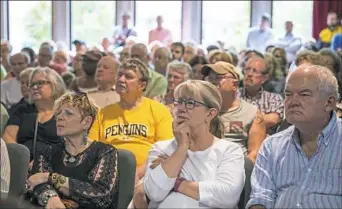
pixel 81 173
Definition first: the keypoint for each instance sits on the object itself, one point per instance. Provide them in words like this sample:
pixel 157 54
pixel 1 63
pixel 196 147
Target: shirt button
pixel 309 170
pixel 298 205
pixel 302 187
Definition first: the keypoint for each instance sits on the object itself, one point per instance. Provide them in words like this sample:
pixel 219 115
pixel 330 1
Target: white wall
pixel 191 22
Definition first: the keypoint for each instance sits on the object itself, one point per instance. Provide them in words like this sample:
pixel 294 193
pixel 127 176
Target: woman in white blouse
pixel 196 169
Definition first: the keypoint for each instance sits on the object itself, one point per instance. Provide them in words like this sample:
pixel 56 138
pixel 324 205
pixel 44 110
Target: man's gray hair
pixel 180 67
pixel 326 80
pixel 57 82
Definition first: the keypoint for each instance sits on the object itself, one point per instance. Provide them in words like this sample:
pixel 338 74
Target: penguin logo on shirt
pixel 127 130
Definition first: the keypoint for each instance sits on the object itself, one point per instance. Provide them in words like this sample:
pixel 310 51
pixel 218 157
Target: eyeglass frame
pixel 220 77
pixel 245 70
pixel 39 84
pixel 178 102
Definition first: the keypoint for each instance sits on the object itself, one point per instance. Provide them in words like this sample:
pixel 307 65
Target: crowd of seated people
pixel 190 116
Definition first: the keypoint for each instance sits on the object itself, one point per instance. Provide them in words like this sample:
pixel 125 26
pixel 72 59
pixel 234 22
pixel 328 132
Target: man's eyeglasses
pixel 39 84
pixel 253 71
pixel 189 103
pixel 217 79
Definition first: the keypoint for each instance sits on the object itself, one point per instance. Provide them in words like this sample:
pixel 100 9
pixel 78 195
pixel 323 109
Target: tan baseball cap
pixel 220 68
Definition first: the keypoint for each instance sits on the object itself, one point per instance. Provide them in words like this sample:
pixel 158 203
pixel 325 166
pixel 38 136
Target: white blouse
pixel 219 170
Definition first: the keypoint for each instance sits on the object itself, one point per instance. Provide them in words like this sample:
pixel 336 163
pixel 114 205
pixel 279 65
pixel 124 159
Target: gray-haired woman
pixel 35 121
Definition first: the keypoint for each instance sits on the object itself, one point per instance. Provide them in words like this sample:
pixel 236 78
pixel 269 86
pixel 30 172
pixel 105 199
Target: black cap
pixel 79 42
pixel 266 16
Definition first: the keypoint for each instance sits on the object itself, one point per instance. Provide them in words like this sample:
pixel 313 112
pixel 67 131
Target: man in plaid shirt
pixel 271 104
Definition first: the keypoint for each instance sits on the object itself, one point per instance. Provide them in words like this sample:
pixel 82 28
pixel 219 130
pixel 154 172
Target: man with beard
pixel 243 122
pixel 326 35
pixel 270 104
pixel 301 166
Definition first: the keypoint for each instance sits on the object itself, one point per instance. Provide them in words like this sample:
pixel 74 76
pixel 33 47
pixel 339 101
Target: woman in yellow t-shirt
pixel 134 123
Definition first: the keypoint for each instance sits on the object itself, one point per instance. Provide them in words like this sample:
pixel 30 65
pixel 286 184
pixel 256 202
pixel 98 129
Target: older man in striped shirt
pixel 301 167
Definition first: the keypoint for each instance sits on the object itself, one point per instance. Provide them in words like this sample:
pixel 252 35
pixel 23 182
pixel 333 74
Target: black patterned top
pixel 93 176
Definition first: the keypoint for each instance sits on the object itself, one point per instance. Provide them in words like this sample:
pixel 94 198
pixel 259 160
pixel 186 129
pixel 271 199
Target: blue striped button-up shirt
pixel 284 177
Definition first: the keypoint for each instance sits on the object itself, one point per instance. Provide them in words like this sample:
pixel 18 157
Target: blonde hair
pixel 61 54
pixel 207 93
pixel 26 73
pixel 308 56
pixel 80 101
pixel 180 67
pixel 57 82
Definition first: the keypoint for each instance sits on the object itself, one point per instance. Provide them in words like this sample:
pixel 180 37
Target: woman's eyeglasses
pixel 189 103
pixel 39 84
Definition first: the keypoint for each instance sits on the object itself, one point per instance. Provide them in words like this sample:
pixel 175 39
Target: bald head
pixel 320 76
pixel 140 52
pixel 106 70
pixel 18 63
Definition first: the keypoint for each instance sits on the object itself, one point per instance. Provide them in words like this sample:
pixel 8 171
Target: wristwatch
pixel 177 183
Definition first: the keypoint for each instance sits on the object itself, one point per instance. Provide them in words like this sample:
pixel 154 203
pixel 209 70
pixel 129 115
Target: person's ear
pixel 265 78
pixel 212 114
pixel 86 122
pixel 235 85
pixel 330 104
pixel 143 85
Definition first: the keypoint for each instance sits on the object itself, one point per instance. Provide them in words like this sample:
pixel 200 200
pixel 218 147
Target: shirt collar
pixel 258 96
pixel 327 130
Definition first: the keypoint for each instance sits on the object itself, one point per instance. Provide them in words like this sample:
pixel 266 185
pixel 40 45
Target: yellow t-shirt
pixel 134 130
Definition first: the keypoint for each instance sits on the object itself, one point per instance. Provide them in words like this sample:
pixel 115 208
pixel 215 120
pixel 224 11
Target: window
pixel 226 21
pixel 299 12
pixel 30 23
pixel 147 12
pixel 91 21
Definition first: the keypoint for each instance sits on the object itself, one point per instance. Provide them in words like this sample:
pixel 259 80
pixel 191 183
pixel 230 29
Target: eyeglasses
pixel 189 103
pixel 39 84
pixel 218 78
pixel 253 71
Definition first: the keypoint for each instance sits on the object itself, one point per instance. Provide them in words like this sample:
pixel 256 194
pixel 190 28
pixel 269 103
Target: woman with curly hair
pixel 80 173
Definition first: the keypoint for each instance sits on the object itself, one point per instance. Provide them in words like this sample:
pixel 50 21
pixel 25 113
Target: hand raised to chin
pixel 181 132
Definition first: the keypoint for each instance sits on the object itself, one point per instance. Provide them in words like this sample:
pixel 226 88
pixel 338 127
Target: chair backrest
pixel 127 167
pixel 247 188
pixel 3 119
pixel 19 157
